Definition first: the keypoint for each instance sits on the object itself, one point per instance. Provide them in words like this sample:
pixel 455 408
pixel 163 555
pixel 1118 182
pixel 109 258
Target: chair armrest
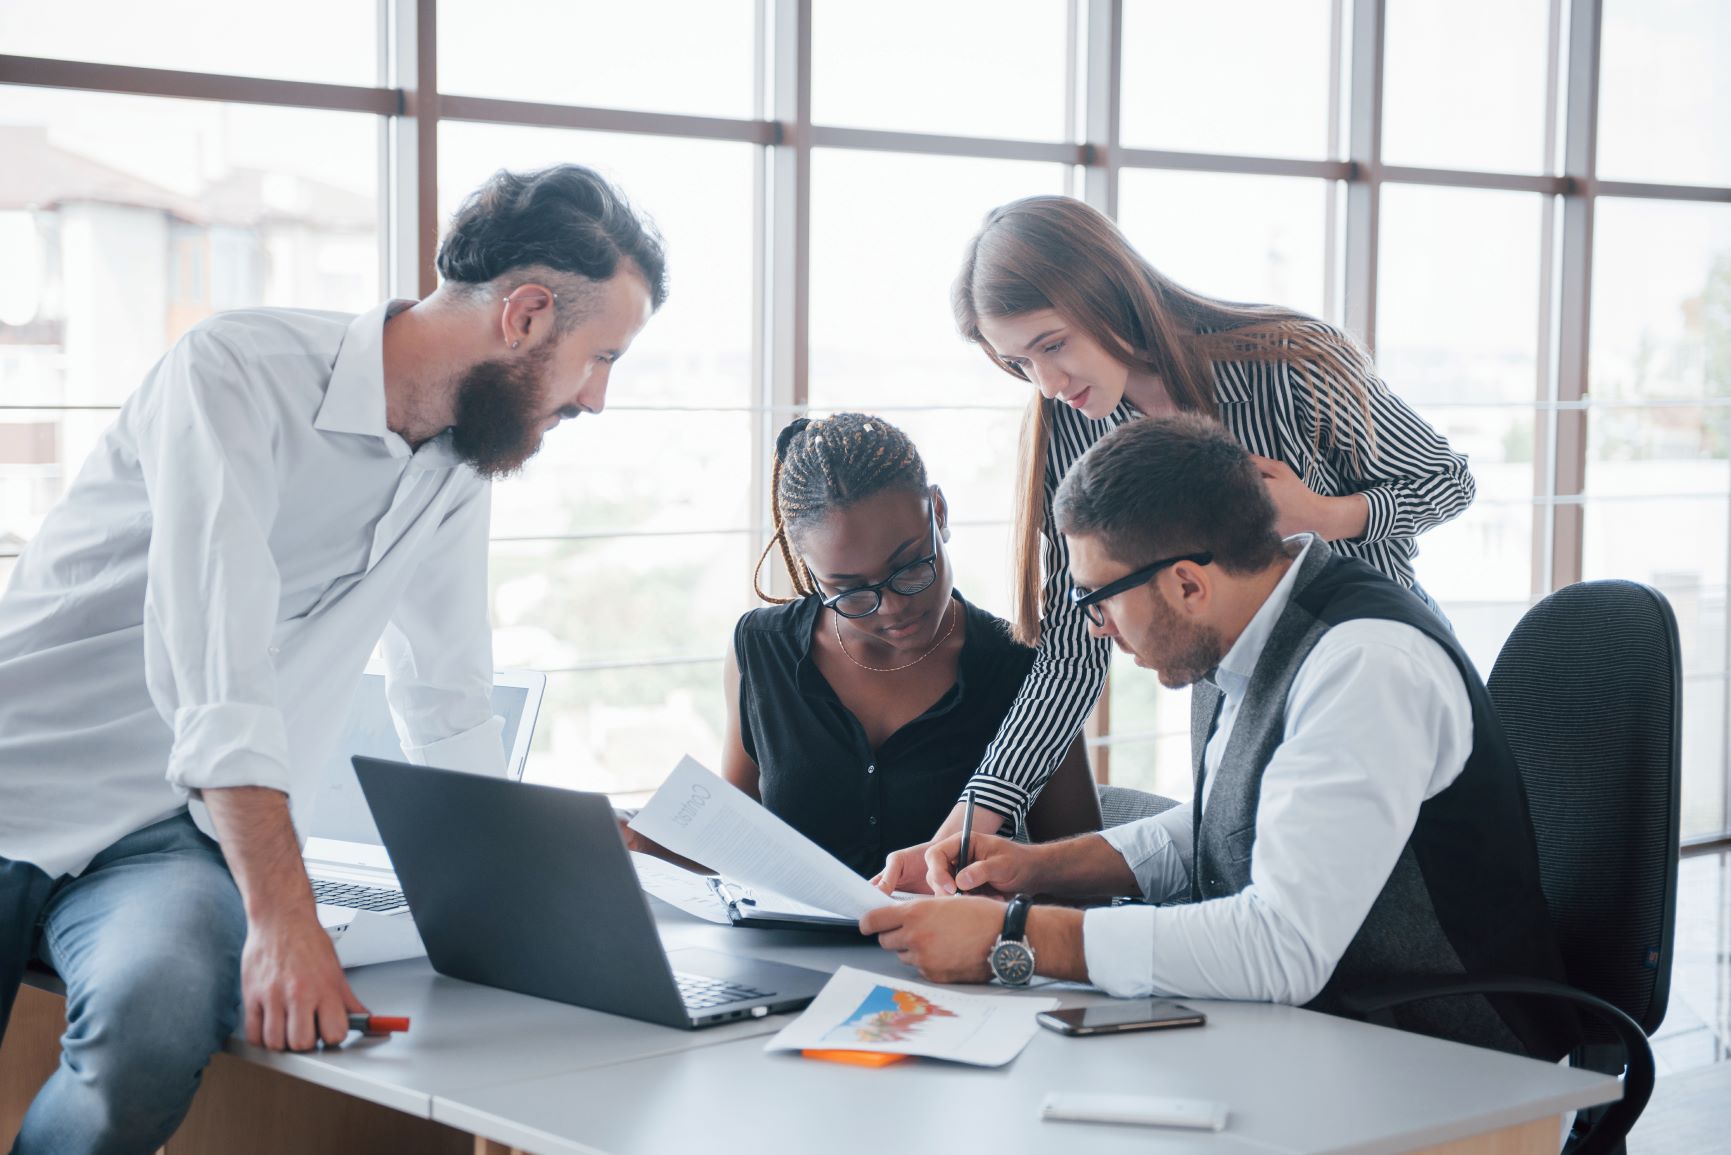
pixel 1611 1128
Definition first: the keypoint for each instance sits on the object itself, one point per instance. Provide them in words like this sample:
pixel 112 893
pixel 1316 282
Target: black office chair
pixel 1121 804
pixel 1589 691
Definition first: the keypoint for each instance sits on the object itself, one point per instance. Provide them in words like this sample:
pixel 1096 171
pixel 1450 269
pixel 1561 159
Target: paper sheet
pixel 768 904
pixel 679 887
pixel 697 815
pixel 861 1011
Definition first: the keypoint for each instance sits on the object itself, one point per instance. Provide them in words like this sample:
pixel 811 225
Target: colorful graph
pixel 887 1015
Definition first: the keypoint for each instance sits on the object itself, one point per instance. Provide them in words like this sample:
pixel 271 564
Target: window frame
pixel 411 107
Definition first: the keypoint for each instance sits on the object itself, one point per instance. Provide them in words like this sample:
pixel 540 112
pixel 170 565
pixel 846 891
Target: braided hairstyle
pixel 829 464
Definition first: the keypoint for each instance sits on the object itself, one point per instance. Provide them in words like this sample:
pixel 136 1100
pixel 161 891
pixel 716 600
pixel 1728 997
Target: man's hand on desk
pixel 292 986
pixel 946 939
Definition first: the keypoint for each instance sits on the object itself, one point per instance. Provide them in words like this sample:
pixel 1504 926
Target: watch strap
pixel 1016 918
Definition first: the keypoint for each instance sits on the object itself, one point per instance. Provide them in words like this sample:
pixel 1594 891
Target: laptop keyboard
pixel 701 992
pixel 355 897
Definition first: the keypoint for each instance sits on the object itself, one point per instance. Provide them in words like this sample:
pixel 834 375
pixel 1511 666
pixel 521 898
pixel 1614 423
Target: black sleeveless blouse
pixel 816 769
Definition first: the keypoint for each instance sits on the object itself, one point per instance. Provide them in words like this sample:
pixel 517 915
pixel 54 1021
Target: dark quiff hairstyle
pixel 1163 487
pixel 1053 252
pixel 829 464
pixel 567 219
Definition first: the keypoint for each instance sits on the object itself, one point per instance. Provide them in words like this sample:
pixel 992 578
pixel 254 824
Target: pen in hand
pixel 967 834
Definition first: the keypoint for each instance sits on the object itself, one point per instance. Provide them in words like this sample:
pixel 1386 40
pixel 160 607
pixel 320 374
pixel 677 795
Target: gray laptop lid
pixel 524 887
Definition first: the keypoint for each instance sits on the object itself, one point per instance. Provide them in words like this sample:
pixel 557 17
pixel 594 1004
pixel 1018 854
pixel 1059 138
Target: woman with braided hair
pixel 858 708
pixel 1055 296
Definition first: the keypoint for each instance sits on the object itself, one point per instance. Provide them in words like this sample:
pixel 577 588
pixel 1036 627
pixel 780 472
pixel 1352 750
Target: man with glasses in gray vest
pixel 1358 814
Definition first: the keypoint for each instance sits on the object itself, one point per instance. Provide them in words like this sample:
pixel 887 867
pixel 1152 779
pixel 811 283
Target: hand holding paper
pixel 700 816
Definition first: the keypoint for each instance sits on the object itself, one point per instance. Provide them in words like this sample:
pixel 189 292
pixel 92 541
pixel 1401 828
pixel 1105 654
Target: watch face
pixel 1013 963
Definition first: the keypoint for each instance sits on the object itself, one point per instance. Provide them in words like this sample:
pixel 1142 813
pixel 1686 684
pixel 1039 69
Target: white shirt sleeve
pixel 438 651
pixel 211 589
pixel 1378 720
pixel 1157 850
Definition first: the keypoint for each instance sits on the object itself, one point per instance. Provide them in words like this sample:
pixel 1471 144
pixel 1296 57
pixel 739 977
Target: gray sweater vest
pixel 1464 895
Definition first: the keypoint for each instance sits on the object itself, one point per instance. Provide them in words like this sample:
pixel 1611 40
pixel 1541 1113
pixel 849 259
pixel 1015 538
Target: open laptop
pixel 344 855
pixel 530 888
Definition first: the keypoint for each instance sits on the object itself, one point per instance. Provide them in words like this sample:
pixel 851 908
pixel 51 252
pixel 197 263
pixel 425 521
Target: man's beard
pixel 1194 650
pixel 499 414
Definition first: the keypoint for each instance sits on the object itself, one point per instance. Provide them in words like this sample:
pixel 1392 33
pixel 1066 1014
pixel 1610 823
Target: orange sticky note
pixel 856 1058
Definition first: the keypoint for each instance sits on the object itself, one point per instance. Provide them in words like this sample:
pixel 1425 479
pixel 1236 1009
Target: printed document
pixel 861 1011
pixel 701 817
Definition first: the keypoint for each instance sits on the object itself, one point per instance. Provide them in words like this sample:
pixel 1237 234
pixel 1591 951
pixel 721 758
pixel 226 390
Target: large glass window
pixel 333 41
pixel 125 221
pixel 648 55
pixel 1249 78
pixel 606 564
pixel 623 553
pixel 1458 339
pixel 1664 97
pixel 1244 238
pixel 1464 84
pixel 888 233
pixel 1149 740
pixel 1658 469
pixel 963 67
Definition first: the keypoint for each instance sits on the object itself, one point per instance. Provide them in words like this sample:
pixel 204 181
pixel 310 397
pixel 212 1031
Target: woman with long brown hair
pixel 1055 295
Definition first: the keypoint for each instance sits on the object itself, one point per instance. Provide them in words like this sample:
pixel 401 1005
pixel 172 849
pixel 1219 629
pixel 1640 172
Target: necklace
pixel 892 669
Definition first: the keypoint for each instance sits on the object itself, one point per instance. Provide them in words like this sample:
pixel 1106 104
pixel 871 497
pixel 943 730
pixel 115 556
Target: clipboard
pixel 744 909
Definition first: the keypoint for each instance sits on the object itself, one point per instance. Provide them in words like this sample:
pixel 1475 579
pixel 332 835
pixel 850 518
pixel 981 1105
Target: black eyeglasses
pixel 1088 601
pixel 915 577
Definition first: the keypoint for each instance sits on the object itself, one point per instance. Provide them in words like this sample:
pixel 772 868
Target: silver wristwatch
pixel 1012 959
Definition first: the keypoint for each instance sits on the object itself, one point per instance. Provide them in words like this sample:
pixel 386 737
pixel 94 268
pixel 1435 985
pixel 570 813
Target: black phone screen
pixel 1118 1014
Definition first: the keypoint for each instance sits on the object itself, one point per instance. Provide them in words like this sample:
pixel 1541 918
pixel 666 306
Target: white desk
pixel 1296 1082
pixel 553 1079
pixel 465 1037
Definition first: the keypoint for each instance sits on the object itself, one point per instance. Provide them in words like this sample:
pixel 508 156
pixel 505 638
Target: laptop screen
pixel 341 810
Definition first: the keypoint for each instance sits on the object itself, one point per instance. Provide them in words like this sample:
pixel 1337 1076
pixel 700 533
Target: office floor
pixel 1690 1113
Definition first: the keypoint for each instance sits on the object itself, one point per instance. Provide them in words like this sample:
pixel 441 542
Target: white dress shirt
pixel 1377 721
pixel 197 611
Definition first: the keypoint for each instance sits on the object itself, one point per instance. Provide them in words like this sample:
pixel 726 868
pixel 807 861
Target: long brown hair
pixel 1053 252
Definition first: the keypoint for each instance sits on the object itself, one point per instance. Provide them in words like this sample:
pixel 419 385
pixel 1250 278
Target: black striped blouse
pixel 1412 480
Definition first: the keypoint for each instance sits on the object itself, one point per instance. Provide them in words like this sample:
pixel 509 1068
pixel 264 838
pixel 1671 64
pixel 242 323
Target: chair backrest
pixel 1118 805
pixel 1121 804
pixel 1589 690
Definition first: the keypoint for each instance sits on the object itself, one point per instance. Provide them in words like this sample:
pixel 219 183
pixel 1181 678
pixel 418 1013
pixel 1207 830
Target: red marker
pixel 377 1024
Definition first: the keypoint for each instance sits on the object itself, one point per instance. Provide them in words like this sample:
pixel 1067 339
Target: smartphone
pixel 1113 1018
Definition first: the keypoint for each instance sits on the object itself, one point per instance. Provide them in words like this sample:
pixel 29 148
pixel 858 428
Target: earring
pixel 514 344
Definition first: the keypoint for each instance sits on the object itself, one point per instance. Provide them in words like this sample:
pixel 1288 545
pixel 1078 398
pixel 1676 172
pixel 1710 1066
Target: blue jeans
pixel 148 942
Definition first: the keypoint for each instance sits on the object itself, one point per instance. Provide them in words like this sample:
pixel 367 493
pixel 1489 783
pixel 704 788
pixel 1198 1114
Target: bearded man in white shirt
pixel 1358 816
pixel 286 490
